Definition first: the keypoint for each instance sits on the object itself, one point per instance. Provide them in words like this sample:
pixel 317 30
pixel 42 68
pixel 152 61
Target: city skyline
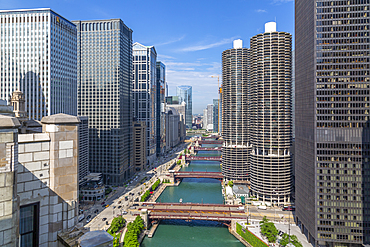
pixel 191 53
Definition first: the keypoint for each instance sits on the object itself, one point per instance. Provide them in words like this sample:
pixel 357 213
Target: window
pixel 29 225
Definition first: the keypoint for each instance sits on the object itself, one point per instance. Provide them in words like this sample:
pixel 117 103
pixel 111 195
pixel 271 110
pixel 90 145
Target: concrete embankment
pixel 242 240
pixel 152 230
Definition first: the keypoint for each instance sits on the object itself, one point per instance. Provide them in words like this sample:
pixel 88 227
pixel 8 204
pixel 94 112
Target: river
pixel 197 190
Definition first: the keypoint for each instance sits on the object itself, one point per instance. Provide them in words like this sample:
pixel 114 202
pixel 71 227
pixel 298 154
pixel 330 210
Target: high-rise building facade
pixel 215 115
pixel 161 109
pixel 271 115
pixel 185 94
pixel 235 117
pixel 39 58
pixel 104 95
pixel 210 117
pixel 144 86
pixel 332 121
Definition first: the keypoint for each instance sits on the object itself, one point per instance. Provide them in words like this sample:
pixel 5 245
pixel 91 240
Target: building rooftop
pixel 95 238
pixel 60 118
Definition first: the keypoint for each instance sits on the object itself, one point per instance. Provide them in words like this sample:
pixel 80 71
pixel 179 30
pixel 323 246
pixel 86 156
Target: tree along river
pixel 197 190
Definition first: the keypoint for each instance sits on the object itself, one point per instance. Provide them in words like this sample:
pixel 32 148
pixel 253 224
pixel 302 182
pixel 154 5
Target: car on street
pixel 119 206
pixel 104 219
pixel 102 203
pixel 96 211
pixel 114 207
pixel 124 212
pixel 132 207
pixel 263 207
pixel 289 208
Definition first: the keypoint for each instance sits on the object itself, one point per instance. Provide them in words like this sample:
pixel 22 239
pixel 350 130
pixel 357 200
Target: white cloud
pixel 171 41
pixel 260 11
pixel 208 46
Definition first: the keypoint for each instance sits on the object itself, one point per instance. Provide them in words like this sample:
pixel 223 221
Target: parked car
pixel 107 205
pixel 104 219
pixel 119 206
pixel 124 212
pixel 240 208
pixel 263 207
pixel 114 207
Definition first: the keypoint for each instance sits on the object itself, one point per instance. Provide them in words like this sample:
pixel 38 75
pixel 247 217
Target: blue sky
pixel 189 36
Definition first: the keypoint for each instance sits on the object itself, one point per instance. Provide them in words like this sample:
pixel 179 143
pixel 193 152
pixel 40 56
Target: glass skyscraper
pixel 160 111
pixel 185 94
pixel 104 95
pixel 39 57
pixel 144 86
pixel 332 169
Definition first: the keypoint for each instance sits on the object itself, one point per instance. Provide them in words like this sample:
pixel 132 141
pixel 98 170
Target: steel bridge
pixel 217 175
pixel 212 158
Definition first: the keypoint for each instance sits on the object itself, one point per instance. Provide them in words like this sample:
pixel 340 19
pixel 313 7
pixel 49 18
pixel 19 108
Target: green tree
pixel 294 240
pixel 268 229
pixel 284 239
pixel 230 183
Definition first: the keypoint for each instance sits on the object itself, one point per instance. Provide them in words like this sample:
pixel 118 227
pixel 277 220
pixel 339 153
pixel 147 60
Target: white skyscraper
pixel 144 92
pixel 39 57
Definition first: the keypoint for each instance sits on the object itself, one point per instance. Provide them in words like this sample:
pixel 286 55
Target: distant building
pixel 104 96
pixel 160 108
pixel 175 124
pixel 215 115
pixel 172 100
pixel 144 86
pixel 40 61
pixel 185 94
pixel 181 110
pixel 210 117
pixel 205 118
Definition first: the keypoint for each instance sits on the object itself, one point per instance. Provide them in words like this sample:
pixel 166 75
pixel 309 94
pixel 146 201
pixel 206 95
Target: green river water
pixel 195 233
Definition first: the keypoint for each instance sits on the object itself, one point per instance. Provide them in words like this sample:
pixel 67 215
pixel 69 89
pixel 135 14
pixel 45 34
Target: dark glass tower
pixel 160 110
pixel 332 121
pixel 235 117
pixel 104 95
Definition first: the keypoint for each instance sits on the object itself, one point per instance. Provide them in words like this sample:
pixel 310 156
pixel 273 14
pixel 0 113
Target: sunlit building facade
pixel 185 94
pixel 144 86
pixel 39 57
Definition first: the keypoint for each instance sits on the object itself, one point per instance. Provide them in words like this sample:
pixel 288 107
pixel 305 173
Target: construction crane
pixel 218 99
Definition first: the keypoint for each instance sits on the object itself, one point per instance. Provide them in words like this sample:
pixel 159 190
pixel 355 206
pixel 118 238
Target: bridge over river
pixel 217 175
pixel 193 211
pixel 210 158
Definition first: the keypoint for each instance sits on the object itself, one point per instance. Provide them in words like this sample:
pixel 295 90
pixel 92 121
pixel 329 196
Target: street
pixel 131 191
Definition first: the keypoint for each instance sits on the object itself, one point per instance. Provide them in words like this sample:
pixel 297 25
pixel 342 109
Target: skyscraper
pixel 161 109
pixel 144 86
pixel 235 117
pixel 185 94
pixel 332 121
pixel 215 115
pixel 104 95
pixel 39 58
pixel 271 115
